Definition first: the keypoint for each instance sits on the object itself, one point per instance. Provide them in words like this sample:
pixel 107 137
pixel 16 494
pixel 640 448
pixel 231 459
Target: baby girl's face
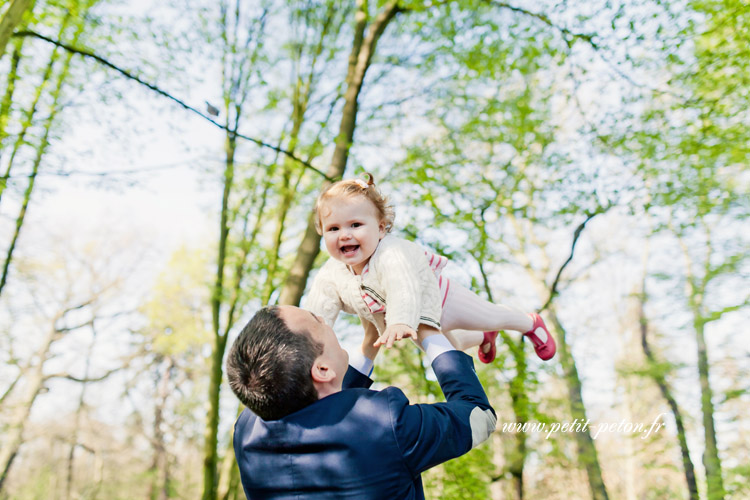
pixel 351 230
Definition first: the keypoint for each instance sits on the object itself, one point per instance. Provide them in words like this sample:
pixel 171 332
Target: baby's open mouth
pixel 349 249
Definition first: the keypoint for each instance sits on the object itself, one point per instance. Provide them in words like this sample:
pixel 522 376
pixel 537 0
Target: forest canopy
pixel 159 162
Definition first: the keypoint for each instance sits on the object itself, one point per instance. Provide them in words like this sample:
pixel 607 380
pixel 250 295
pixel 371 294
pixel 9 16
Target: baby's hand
pixel 394 333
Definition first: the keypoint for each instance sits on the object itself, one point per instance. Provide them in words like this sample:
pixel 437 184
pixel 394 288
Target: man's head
pixel 283 360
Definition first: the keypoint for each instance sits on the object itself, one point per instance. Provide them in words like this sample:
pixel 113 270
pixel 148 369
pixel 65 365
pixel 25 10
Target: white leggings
pixel 466 316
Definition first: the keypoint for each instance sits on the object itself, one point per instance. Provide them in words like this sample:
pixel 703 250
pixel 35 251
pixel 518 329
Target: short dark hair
pixel 269 365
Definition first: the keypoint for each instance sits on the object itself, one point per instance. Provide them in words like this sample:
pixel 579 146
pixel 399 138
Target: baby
pixel 395 286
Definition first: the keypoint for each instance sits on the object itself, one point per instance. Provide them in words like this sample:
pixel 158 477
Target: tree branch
pixel 10 388
pixel 150 86
pixel 68 376
pixel 716 315
pixel 576 235
pixel 568 35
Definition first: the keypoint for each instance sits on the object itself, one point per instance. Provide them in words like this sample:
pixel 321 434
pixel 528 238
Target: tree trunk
pixel 520 404
pixel 77 423
pixel 518 395
pixel 229 476
pixel 41 147
pixel 696 288
pixel 363 48
pixel 5 105
pixel 210 458
pixel 159 470
pixel 235 90
pixel 587 455
pixel 586 448
pixel 11 19
pixel 666 392
pixel 711 461
pixel 31 111
pixel 13 438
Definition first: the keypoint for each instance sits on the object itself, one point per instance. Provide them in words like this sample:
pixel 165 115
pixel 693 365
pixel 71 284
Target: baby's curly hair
pixel 357 187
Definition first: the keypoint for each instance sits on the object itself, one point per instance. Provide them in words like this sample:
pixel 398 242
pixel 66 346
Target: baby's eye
pixel 356 224
pixel 333 228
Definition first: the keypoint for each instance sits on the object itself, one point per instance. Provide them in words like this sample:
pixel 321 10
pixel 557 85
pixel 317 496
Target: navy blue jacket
pixel 363 444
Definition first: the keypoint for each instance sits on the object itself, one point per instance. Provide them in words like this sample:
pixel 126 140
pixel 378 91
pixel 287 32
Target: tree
pixel 690 144
pixel 12 18
pixel 656 370
pixel 62 308
pixel 176 331
pixel 74 14
pixel 366 35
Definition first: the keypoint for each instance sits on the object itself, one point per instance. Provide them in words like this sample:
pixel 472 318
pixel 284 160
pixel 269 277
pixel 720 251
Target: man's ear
pixel 322 372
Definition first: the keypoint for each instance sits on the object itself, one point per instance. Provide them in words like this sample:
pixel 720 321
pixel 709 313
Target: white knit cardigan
pixel 399 278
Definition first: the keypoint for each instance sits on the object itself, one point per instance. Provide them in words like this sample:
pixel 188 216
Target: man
pixel 312 429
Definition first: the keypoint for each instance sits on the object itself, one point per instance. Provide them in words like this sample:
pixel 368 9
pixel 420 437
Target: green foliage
pixel 176 312
pixel 467 477
pixel 738 481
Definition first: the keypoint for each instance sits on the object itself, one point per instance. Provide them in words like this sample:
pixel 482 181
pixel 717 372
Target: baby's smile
pixel 349 250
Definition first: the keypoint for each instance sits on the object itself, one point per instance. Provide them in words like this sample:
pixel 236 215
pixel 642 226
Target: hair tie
pixel 361 183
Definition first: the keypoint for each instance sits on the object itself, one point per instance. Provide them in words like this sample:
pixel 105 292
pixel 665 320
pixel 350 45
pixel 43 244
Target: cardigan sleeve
pixel 323 298
pixel 400 280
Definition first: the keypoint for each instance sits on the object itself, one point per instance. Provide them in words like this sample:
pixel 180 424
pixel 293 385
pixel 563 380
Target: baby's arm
pixel 323 298
pixel 369 347
pixel 400 279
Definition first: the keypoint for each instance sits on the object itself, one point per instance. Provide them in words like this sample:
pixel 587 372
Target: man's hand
pixel 394 333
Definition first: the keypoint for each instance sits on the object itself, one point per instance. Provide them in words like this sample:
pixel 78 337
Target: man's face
pixel 300 320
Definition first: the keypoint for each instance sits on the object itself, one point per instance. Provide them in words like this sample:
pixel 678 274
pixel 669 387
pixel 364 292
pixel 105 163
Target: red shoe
pixel 544 349
pixel 489 356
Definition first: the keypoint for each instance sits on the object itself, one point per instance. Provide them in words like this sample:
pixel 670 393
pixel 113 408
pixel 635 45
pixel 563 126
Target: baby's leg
pixel 464 339
pixel 465 310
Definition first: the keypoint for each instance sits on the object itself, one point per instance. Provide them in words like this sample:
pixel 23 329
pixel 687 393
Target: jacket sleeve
pixel 399 279
pixel 323 298
pixel 430 434
pixel 353 380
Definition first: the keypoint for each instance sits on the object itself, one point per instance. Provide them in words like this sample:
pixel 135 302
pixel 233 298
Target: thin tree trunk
pixel 41 150
pixel 235 95
pixel 210 460
pixel 159 470
pixel 586 448
pixel 77 419
pixel 363 48
pixel 302 92
pixel 666 392
pixel 520 404
pixel 31 112
pixel 6 103
pixel 13 438
pixel 672 402
pixel 229 477
pixel 711 460
pixel 587 454
pixel 11 19
pixel 518 395
pixel 696 288
pixel 12 385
